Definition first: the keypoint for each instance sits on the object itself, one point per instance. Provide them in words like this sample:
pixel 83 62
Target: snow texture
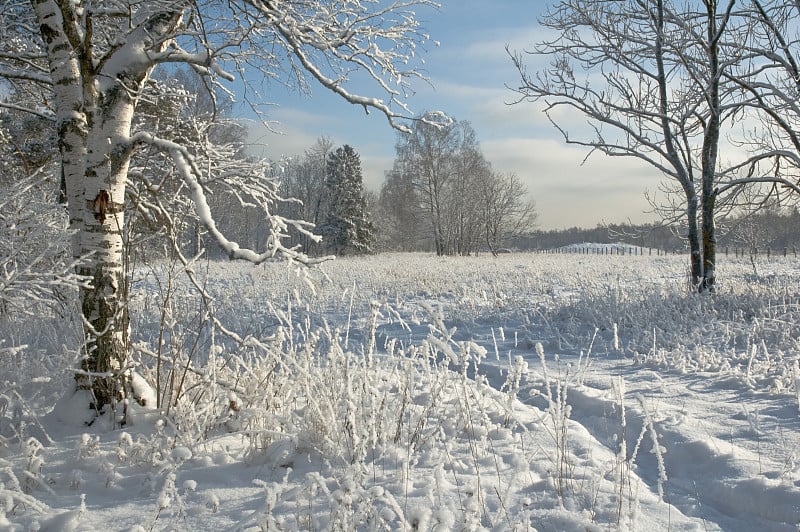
pixel 546 392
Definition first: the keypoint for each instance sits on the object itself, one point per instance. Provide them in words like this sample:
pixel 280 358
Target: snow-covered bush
pixel 35 260
pixel 38 330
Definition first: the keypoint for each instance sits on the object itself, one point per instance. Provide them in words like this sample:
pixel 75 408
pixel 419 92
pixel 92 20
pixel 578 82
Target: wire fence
pixel 761 252
pixel 620 249
pixel 611 249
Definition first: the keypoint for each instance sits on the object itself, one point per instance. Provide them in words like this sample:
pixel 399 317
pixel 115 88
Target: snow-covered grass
pixel 547 392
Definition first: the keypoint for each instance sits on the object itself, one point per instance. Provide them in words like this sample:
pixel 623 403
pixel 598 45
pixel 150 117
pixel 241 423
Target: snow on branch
pixel 26 74
pixel 785 183
pixel 201 62
pixel 189 172
pixel 336 87
pixel 33 256
pixel 377 42
pixel 41 114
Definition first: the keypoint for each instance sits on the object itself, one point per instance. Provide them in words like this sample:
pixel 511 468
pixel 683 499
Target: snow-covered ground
pixel 405 391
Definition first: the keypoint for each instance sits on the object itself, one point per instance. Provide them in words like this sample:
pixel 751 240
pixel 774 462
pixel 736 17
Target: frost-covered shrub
pixel 39 335
pixel 35 258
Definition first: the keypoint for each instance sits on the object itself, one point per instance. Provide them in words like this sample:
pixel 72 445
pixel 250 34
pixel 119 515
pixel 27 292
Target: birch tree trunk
pixel 95 107
pixel 65 71
pixel 104 304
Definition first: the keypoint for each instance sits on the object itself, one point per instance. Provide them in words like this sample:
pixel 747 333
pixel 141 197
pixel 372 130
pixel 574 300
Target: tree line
pixel 441 195
pixel 773 227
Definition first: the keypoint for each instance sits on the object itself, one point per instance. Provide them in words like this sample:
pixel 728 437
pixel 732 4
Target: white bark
pixel 94 109
pixel 71 124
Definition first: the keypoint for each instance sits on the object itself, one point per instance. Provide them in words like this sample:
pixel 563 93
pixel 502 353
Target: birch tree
pixel 463 222
pixel 442 192
pixel 91 63
pixel 438 161
pixel 401 220
pixel 655 89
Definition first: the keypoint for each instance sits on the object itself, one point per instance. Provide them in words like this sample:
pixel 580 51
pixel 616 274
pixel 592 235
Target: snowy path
pixel 729 454
pixel 730 436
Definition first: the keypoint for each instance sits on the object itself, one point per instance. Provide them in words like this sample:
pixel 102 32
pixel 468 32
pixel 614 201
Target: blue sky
pixel 469 72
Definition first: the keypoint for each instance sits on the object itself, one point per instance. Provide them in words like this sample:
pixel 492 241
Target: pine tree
pixel 347 227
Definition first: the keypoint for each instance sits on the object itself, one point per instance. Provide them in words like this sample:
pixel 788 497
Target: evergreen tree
pixel 347 227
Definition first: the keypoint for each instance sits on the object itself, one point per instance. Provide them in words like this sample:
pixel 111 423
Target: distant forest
pixel 768 229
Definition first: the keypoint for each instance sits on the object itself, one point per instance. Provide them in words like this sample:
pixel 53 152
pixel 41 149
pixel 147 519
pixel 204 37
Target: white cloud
pixel 569 194
pixel 289 132
pixel 294 131
pixel 374 166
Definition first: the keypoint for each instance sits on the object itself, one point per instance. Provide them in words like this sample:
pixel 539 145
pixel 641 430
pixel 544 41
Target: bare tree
pixel 770 82
pixel 400 223
pixel 506 211
pixel 440 173
pixel 303 180
pixel 91 63
pixel 655 90
pixel 464 201
pixel 439 161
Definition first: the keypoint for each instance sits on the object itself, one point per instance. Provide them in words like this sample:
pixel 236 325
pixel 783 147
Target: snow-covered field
pixel 409 392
